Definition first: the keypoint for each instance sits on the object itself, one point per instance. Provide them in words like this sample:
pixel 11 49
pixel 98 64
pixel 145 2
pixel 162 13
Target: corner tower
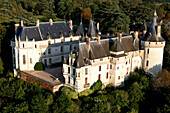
pixel 153 45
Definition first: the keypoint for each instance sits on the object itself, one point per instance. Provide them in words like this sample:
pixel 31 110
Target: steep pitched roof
pixel 92 31
pixel 151 34
pixel 44 30
pixel 80 30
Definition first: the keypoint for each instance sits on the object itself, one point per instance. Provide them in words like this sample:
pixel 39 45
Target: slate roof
pixel 44 31
pixel 103 49
pixel 151 34
pixel 81 30
pixel 92 31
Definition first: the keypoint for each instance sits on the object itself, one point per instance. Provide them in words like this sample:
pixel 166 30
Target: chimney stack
pixel 71 24
pixel 120 36
pixel 108 34
pixel 159 31
pixel 136 34
pixel 22 22
pixel 98 39
pixel 16 27
pixel 51 21
pixel 98 26
pixel 37 22
pixel 88 43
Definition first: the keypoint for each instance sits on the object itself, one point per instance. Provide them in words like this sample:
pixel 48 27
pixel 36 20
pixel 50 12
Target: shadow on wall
pixel 155 69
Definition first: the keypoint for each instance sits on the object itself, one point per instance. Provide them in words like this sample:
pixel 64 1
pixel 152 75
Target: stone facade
pixel 88 56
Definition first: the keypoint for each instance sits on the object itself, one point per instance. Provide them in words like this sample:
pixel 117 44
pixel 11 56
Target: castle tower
pixel 153 45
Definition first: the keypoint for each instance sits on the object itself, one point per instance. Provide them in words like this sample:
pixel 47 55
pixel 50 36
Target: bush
pixel 70 93
pixel 86 92
pixel 109 86
pixel 39 66
pixel 97 85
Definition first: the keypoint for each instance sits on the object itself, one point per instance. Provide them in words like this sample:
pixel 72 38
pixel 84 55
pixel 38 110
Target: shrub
pixel 109 86
pixel 97 85
pixel 39 66
pixel 70 93
pixel 86 92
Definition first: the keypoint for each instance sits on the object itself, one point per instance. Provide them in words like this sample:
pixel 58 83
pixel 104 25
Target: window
pixel 61 49
pixel 74 81
pixel 86 81
pixel 126 63
pixel 101 59
pixel 62 58
pixel 69 79
pixel 148 51
pixel 70 47
pixel 117 68
pixel 74 47
pixel 30 60
pixel 107 66
pixel 24 61
pixel 23 45
pixel 110 66
pixel 50 61
pixel 74 71
pixel 68 69
pixel 107 75
pixel 99 68
pixel 61 40
pixel 49 51
pixel 127 71
pixel 99 76
pixel 44 53
pixel 35 46
pixel 86 71
pixel 118 77
pixel 147 63
pixel 79 74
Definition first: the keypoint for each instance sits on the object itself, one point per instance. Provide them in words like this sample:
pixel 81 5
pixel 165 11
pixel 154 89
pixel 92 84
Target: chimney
pixel 51 21
pixel 98 39
pixel 88 43
pixel 37 22
pixel 22 22
pixel 120 36
pixel 71 24
pixel 159 31
pixel 136 34
pixel 108 34
pixel 16 27
pixel 98 26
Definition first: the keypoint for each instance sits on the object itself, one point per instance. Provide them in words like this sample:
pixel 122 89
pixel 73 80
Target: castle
pixel 87 56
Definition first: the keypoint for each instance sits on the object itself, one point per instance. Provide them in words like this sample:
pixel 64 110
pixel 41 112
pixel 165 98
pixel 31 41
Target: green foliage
pixel 97 85
pixel 1 66
pixel 72 94
pixel 109 86
pixel 135 93
pixel 86 92
pixel 39 66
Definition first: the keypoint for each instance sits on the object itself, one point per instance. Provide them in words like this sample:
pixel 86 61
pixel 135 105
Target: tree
pixel 86 14
pixel 72 94
pixel 97 85
pixel 113 20
pixel 135 93
pixel 39 66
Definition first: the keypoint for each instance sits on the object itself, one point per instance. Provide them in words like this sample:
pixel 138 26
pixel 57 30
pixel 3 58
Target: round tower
pixel 153 45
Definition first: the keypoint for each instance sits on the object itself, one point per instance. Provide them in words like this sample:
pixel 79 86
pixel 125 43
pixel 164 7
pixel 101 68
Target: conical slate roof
pixel 151 34
pixel 117 46
pixel 80 30
pixel 92 31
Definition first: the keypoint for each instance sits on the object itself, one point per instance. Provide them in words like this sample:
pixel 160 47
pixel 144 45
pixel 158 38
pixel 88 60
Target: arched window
pixel 24 61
